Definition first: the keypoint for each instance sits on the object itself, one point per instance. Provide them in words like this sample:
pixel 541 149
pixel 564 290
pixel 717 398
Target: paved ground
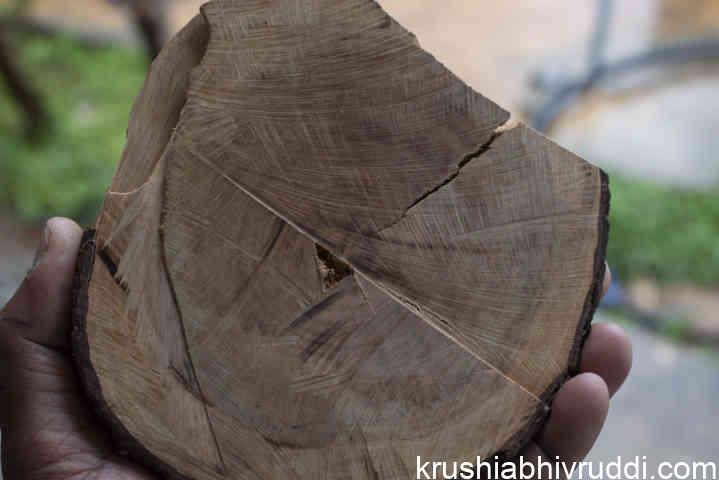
pixel 667 410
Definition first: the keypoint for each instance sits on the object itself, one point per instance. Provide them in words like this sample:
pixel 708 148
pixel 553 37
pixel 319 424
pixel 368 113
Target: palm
pixel 48 430
pixel 50 433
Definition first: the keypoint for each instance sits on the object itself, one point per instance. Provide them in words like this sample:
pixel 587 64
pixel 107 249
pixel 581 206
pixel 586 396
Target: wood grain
pixel 323 255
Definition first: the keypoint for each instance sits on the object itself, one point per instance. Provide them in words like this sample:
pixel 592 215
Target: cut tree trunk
pixel 324 255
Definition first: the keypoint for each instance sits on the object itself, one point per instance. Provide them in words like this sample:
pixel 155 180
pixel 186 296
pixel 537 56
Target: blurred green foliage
pixel 655 231
pixel 666 233
pixel 89 93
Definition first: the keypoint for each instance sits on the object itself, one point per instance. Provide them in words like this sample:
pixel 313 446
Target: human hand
pixel 49 431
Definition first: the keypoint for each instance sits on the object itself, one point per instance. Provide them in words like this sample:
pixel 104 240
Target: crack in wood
pixel 481 150
pixel 332 269
pixel 398 298
pixel 111 266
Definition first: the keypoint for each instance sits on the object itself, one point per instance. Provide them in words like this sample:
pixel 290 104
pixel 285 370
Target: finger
pixel 607 279
pixel 43 415
pixel 578 413
pixel 47 426
pixel 40 310
pixel 608 353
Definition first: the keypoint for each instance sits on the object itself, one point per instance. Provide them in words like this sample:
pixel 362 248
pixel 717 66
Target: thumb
pixel 42 415
pixel 40 309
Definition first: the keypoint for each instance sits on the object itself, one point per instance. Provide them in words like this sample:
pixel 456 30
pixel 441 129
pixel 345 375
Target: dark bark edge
pixel 125 443
pixel 519 440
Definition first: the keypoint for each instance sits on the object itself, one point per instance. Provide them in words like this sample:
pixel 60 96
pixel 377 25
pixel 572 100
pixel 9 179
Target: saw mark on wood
pixel 244 289
pixel 540 219
pixel 322 339
pixel 249 256
pixel 315 309
pixel 190 364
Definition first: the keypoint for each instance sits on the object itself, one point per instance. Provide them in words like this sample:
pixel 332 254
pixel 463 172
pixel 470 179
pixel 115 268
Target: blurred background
pixel 631 85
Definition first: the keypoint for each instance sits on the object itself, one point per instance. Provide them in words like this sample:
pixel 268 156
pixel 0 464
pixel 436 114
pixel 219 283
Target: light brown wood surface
pixel 323 255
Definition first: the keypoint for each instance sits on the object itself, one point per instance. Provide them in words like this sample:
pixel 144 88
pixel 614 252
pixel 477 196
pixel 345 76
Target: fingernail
pixel 44 245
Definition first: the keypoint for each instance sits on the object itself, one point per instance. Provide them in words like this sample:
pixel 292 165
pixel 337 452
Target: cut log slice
pixel 323 255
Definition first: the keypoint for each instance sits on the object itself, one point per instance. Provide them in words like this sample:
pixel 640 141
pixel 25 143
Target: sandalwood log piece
pixel 324 255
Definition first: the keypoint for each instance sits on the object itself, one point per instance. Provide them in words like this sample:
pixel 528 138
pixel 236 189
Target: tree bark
pixel 324 255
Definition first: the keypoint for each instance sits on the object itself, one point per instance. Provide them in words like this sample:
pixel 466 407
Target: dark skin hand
pixel 49 433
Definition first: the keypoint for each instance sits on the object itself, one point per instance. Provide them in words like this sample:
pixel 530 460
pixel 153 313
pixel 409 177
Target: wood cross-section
pixel 324 255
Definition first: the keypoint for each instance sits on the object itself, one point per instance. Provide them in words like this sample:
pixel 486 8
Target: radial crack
pixel 481 150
